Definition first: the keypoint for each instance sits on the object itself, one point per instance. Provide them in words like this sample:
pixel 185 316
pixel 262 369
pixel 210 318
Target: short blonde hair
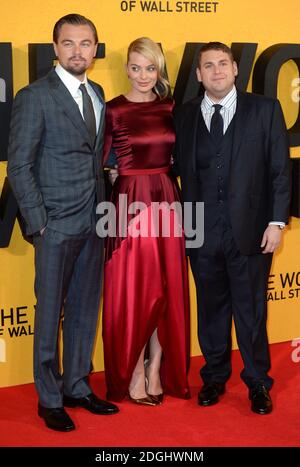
pixel 151 50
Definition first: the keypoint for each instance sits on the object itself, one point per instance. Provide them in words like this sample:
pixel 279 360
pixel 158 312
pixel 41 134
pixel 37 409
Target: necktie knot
pixel 88 112
pixel 217 107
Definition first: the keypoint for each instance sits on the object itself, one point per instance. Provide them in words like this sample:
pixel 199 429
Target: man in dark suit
pixel 232 155
pixel 54 167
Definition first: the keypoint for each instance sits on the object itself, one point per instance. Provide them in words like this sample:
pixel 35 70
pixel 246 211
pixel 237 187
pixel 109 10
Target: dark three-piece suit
pixel 244 183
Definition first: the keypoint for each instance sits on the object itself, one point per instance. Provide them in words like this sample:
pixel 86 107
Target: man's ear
pixel 55 49
pixel 198 73
pixel 235 69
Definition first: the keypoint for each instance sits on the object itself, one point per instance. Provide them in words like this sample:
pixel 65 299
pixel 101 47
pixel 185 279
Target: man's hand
pixel 271 239
pixel 113 174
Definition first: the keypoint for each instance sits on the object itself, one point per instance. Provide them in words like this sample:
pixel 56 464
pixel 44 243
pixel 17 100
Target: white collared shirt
pixel 228 108
pixel 72 84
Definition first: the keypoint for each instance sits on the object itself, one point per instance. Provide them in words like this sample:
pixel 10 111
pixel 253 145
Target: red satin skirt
pixel 146 285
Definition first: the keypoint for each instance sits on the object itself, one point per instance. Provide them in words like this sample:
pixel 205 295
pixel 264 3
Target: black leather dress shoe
pixel 261 401
pixel 56 418
pixel 91 403
pixel 210 392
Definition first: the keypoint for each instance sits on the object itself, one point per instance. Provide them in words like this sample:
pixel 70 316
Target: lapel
pixel 241 122
pixel 193 122
pixel 64 99
pixel 240 127
pixel 100 131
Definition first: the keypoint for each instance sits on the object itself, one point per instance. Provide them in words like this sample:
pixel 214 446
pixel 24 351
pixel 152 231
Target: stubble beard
pixel 78 69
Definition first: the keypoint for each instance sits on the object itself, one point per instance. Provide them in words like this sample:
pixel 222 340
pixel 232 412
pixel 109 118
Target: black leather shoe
pixel 261 401
pixel 56 418
pixel 210 392
pixel 91 403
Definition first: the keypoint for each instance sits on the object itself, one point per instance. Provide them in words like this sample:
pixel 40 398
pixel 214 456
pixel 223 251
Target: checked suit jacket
pixel 54 169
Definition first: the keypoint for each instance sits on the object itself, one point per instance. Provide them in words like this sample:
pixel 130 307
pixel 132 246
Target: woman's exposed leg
pixel 137 388
pixel 153 366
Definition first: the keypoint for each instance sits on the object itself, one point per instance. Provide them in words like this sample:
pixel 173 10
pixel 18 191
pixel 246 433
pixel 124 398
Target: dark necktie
pixel 216 125
pixel 88 112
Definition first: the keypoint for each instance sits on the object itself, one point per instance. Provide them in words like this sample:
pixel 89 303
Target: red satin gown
pixel 146 279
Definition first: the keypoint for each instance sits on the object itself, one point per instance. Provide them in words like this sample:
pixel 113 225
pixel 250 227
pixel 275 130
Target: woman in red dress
pixel 146 303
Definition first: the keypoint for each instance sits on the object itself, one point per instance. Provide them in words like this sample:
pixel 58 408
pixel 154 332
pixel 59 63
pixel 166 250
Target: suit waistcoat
pixel 213 172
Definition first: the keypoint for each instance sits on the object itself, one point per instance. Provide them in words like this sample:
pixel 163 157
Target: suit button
pixel 219 166
pixel 220 190
pixel 220 179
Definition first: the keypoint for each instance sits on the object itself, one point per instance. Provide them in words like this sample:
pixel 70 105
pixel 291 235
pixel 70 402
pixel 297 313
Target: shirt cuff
pixel 281 225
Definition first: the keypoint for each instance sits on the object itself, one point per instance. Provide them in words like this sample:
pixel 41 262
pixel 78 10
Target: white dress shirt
pixel 72 84
pixel 228 104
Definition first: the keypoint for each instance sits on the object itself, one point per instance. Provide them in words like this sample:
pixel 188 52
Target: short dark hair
pixel 215 46
pixel 75 20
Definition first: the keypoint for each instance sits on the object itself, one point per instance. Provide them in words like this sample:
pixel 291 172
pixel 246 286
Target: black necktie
pixel 216 125
pixel 88 112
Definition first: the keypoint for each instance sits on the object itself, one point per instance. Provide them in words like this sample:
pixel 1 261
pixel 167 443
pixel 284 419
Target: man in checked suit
pixel 232 154
pixel 54 167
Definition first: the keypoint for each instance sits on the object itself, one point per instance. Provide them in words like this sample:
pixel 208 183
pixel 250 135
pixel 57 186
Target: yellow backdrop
pixel 31 21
